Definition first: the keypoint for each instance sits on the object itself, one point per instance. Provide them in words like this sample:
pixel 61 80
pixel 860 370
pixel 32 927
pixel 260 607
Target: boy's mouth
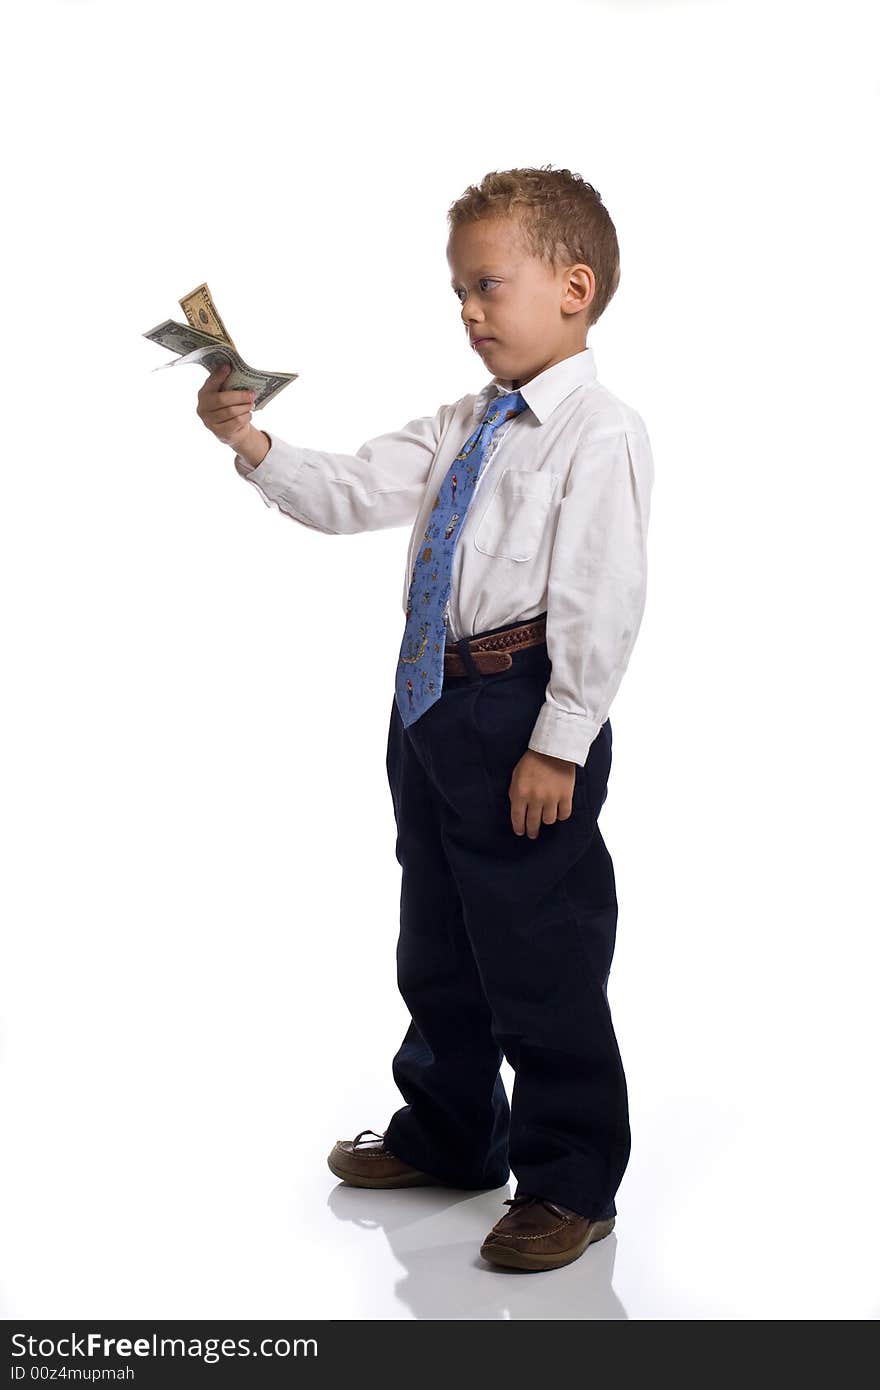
pixel 479 342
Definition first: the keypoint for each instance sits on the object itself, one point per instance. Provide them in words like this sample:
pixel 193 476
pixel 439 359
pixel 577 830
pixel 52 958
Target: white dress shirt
pixel 558 524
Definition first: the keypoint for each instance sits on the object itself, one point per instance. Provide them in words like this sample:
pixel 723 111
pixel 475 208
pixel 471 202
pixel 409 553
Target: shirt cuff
pixel 562 734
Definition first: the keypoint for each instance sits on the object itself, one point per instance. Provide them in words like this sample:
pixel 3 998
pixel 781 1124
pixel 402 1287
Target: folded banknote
pixel 204 340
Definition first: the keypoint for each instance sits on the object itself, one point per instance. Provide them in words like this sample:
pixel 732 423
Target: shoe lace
pixel 523 1199
pixel 359 1137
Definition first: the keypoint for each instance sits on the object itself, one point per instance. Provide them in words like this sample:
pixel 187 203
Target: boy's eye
pixel 485 280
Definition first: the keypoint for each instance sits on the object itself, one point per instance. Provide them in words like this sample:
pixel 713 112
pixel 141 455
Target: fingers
pixel 527 817
pixel 230 412
pixel 213 381
pixel 233 397
pixel 212 384
pixel 227 414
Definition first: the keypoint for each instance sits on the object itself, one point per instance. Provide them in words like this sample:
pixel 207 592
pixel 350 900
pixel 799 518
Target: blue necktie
pixel 419 679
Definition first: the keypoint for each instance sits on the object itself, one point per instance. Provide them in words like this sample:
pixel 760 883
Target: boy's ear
pixel 580 287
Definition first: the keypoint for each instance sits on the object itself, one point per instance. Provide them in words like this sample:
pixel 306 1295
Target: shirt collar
pixel 546 390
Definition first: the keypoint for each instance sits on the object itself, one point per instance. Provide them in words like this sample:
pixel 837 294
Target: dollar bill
pixel 197 346
pixel 201 312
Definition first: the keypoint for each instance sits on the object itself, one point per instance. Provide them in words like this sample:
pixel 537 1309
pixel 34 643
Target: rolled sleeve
pixel 596 588
pixel 378 487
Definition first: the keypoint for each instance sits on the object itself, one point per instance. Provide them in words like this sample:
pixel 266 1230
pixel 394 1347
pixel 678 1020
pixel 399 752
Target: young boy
pixel 524 592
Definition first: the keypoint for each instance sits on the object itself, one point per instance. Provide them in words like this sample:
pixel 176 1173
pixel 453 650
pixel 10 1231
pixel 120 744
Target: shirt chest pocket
pixel 515 519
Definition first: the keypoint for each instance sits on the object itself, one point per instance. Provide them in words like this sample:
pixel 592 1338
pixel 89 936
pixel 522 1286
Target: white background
pixel 200 894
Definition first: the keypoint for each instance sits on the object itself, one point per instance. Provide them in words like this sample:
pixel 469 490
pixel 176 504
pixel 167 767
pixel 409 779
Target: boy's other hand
pixel 225 413
pixel 540 791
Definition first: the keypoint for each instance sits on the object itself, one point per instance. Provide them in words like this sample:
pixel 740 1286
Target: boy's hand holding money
pixel 228 415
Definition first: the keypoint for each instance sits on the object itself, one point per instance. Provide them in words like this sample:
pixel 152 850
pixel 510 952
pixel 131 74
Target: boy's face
pixel 532 315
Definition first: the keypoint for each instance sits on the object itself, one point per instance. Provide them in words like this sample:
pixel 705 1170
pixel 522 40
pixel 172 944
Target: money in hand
pixel 204 339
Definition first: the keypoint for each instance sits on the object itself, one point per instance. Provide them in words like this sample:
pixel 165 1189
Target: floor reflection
pixel 435 1235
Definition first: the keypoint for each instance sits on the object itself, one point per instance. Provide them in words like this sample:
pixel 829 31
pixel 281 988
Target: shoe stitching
pixel 359 1156
pixel 511 1235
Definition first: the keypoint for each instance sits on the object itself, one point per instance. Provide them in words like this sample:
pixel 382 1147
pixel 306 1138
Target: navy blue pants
pixel 505 948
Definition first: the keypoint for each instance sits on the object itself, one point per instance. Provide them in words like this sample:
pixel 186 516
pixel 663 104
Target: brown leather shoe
pixel 538 1234
pixel 372 1165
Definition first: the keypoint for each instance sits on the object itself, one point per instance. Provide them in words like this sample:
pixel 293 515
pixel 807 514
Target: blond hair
pixel 560 217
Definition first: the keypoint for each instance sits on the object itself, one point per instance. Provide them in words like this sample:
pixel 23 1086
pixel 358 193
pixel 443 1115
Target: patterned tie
pixel 419 679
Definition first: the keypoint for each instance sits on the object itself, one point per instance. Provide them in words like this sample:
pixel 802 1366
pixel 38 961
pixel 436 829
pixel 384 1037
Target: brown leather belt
pixel 493 653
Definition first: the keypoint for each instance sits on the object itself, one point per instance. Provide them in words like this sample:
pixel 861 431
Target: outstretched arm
pixel 380 486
